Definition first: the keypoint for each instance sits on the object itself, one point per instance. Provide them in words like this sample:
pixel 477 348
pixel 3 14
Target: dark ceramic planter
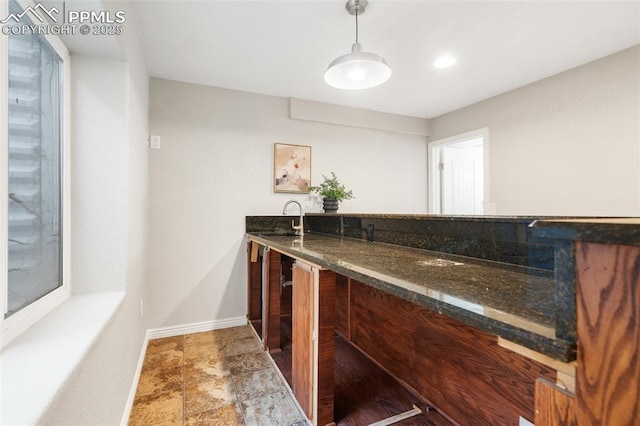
pixel 330 205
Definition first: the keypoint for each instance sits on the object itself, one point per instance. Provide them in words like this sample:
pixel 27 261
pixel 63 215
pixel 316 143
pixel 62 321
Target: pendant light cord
pixel 356 25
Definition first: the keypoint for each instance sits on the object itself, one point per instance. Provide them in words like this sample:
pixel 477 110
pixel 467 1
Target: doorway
pixel 458 174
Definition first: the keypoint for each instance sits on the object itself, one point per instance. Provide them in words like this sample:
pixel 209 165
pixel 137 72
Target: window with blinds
pixel 34 181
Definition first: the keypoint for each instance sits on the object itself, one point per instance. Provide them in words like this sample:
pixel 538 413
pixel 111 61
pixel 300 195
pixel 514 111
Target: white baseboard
pixel 198 327
pixel 134 385
pixel 177 330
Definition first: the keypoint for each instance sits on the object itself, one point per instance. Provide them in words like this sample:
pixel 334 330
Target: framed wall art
pixel 291 168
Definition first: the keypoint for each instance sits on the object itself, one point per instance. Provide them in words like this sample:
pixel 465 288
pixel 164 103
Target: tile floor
pixel 220 377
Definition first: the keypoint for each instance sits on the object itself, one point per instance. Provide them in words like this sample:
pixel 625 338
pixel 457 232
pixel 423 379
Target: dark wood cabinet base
pixel 459 369
pixel 431 359
pixel 364 393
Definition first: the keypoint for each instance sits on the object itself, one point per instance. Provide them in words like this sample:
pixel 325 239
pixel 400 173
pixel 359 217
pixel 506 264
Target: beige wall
pixel 565 145
pixel 109 227
pixel 216 166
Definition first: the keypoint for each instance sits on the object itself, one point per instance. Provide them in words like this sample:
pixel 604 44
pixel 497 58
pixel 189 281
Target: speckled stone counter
pixel 621 230
pixel 562 234
pixel 499 238
pixel 510 301
pixel 503 239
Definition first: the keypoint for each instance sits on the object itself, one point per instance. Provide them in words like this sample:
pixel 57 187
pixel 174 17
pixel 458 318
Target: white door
pixel 461 178
pixel 457 175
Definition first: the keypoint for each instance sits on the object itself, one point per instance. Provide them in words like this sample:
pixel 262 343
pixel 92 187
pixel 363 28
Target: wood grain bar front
pixel 554 405
pixel 342 306
pixel 608 313
pixel 459 369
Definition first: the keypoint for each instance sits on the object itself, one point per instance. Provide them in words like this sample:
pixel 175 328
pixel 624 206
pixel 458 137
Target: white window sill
pixel 37 363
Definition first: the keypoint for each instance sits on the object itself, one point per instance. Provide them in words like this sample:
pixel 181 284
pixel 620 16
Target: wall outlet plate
pixel 154 141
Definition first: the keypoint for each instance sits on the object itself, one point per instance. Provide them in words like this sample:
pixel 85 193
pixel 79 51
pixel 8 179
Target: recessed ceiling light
pixel 444 61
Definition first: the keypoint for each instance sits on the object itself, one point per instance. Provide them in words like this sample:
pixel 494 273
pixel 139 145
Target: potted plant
pixel 332 192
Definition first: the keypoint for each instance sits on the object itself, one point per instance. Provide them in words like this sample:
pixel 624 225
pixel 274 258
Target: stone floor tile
pixel 157 408
pixel 210 395
pixel 164 360
pixel 275 409
pixel 241 346
pixel 236 333
pixel 258 383
pixel 227 415
pixel 175 343
pixel 204 338
pixel 247 362
pixel 205 369
pixel 176 422
pixel 221 377
pixel 159 380
pixel 203 351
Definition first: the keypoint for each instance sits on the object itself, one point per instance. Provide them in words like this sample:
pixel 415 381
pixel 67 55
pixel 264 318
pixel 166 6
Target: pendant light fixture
pixel 358 69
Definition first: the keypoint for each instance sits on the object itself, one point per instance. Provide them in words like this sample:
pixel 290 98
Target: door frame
pixel 433 194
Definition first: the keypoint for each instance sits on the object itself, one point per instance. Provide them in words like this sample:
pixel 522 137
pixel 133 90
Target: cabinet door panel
pixel 272 340
pixel 265 297
pixel 302 338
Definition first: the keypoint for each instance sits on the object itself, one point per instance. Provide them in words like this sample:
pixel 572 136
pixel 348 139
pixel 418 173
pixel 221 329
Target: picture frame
pixel 291 168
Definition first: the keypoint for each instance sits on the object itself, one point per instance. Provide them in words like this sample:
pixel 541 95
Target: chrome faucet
pixel 300 228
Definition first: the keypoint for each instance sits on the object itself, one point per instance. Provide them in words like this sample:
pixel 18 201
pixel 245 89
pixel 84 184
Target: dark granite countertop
pixel 623 230
pixel 440 217
pixel 510 301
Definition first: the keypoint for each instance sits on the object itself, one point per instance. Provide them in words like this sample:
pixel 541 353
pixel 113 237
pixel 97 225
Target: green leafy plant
pixel 332 188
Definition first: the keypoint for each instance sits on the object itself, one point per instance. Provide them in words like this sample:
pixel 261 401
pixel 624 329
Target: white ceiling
pixel 282 48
